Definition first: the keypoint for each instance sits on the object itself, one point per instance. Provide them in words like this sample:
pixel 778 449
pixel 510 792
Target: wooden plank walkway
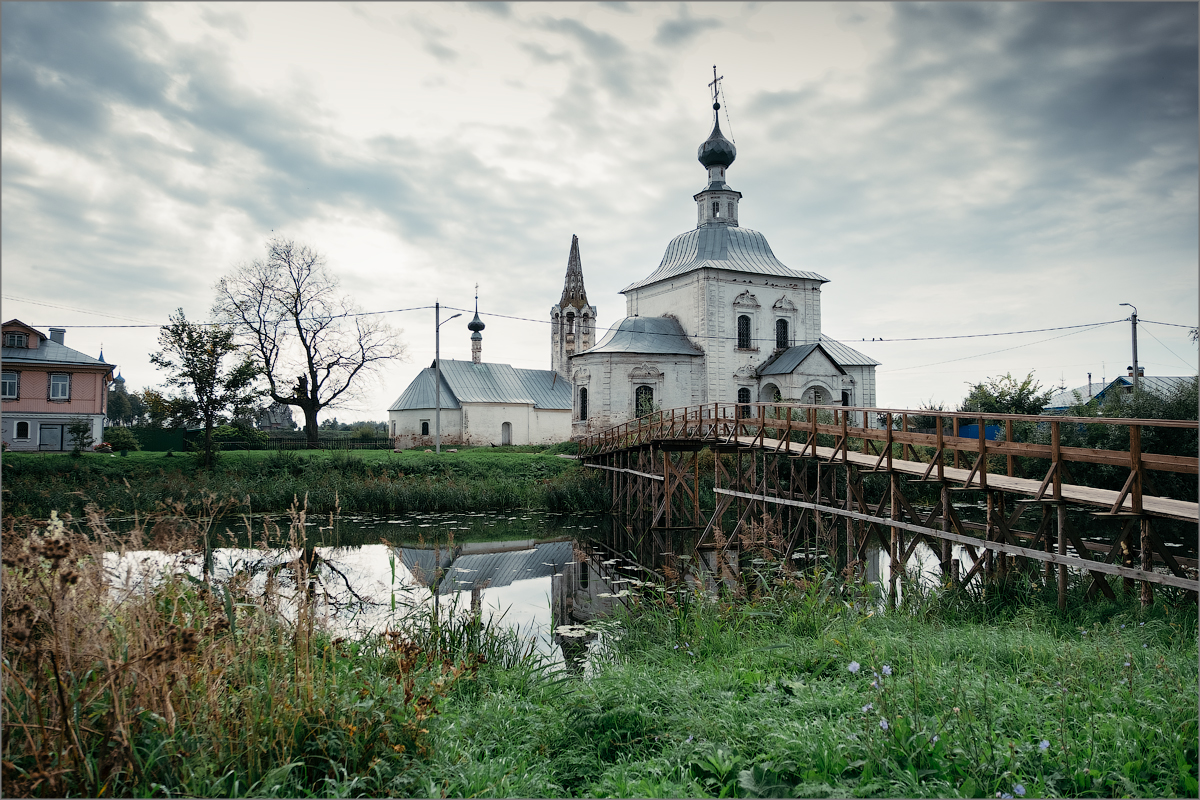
pixel 1104 498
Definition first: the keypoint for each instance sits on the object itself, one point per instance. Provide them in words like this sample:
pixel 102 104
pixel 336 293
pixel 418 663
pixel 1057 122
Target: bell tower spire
pixel 717 203
pixel 573 321
pixel 475 326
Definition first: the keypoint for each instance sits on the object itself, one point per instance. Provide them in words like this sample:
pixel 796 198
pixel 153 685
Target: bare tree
pixel 287 309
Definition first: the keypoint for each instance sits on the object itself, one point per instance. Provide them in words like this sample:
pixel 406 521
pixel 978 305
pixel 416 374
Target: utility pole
pixel 1133 319
pixel 437 375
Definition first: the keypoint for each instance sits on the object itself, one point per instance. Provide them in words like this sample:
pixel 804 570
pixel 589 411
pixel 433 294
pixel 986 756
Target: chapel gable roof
pixel 645 336
pixel 468 382
pixel 788 360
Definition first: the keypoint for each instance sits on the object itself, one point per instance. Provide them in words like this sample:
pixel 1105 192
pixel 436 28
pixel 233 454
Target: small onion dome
pixel 716 150
pixel 476 325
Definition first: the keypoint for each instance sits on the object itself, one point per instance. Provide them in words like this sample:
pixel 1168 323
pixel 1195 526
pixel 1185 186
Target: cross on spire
pixel 716 87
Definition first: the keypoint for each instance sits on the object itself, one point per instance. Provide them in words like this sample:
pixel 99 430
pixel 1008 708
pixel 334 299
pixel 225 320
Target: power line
pixel 1172 324
pixel 1169 350
pixel 1004 350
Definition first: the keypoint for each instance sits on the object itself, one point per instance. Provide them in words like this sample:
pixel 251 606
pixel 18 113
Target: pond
pixel 543 575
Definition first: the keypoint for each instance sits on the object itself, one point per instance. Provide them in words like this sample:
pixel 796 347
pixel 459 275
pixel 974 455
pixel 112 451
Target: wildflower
pixel 1044 745
pixel 887 670
pixel 1018 790
pixel 868 707
pixel 1005 795
pixel 1122 627
pixel 935 739
pixel 1085 633
pixel 1141 624
pixel 1145 646
pixel 883 724
pixel 874 684
pixel 685 741
pixel 676 647
pixel 1127 663
pixel 853 667
pixel 956 709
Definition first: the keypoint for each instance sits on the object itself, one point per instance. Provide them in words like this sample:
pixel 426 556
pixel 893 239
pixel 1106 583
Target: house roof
pixel 1155 384
pixel 721 246
pixel 468 382
pixel 47 352
pixel 646 335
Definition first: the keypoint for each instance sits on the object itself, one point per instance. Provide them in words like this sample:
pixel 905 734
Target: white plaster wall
pixel 8 427
pixel 408 423
pixel 483 421
pixel 549 426
pixel 611 385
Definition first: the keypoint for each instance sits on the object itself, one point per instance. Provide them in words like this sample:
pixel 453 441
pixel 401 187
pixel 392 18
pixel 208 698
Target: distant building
pixel 276 417
pixel 1162 385
pixel 45 386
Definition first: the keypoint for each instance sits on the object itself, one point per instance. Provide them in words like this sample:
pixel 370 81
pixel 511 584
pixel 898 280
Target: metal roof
pixel 845 356
pixel 721 246
pixel 501 569
pixel 49 352
pixel 646 335
pixel 547 387
pixel 468 382
pixel 419 393
pixel 786 362
pixel 1161 385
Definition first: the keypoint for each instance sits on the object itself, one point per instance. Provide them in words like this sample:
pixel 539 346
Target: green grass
pixel 268 481
pixel 205 691
pixel 757 700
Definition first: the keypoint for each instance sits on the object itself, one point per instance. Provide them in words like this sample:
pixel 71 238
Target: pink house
pixel 45 385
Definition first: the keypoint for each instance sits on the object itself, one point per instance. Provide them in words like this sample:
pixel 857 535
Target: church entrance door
pixel 506 433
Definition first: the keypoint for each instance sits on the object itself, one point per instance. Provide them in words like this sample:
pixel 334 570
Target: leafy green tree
pixel 120 409
pixel 1006 395
pixel 194 357
pixel 80 431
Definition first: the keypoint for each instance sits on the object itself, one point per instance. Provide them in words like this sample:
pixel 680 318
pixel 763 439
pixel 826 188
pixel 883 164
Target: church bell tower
pixel 572 320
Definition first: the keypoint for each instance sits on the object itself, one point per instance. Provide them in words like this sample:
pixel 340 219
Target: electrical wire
pixel 1169 350
pixel 1004 350
pixel 1171 324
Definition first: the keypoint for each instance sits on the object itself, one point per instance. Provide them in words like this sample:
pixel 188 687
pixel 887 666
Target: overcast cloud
pixel 951 168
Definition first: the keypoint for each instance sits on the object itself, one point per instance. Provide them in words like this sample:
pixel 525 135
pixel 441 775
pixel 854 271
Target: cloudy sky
pixel 953 169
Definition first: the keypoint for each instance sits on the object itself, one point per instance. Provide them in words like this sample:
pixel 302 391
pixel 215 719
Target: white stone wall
pixel 612 380
pixel 479 424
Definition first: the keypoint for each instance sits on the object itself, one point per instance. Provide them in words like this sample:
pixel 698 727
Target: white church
pixel 720 320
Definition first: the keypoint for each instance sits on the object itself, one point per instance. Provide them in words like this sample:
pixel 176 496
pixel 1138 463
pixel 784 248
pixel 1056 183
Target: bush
pixel 121 439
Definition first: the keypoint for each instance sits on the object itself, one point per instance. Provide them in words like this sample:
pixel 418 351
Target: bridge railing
pixel 950 438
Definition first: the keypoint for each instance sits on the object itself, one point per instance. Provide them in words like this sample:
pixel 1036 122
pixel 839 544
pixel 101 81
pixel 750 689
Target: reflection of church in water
pixel 720 320
pixel 585 577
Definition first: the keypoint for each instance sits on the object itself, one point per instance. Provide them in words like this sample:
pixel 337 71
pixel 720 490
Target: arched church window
pixel 716 208
pixel 22 430
pixel 583 409
pixel 781 333
pixel 743 398
pixel 570 322
pixel 424 427
pixel 730 213
pixel 845 398
pixel 743 332
pixel 643 398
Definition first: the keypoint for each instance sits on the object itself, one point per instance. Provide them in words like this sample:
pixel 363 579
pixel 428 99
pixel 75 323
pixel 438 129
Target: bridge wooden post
pixel 895 566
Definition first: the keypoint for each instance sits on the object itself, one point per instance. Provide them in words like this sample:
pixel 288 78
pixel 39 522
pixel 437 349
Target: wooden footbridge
pixel 825 482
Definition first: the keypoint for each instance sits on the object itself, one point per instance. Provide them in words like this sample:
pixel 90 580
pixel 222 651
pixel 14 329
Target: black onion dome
pixel 476 324
pixel 716 150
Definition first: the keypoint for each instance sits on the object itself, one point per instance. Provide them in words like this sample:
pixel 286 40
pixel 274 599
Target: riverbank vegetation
pixel 788 685
pixel 271 481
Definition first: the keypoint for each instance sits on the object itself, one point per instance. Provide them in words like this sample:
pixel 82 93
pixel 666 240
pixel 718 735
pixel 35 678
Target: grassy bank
pixel 798 690
pixel 267 481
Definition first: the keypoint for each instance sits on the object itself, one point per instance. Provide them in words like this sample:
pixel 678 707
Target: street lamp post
pixel 1133 319
pixel 437 377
